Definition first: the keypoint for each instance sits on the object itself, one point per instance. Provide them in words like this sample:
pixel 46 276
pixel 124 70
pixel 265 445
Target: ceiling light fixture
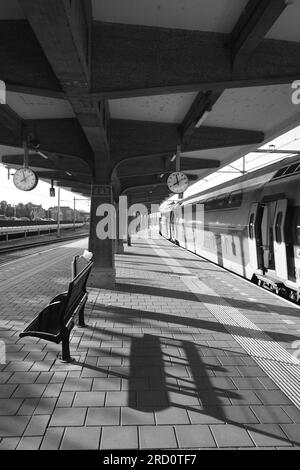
pixel 43 155
pixel 203 117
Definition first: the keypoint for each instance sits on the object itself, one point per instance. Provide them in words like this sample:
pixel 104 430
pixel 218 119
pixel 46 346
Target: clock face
pixel 25 179
pixel 178 182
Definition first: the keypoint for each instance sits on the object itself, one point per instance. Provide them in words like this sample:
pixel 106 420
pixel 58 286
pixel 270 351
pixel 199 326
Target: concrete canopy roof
pixel 119 84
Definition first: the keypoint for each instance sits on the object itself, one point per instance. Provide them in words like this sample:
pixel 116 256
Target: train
pixel 249 225
pixel 17 228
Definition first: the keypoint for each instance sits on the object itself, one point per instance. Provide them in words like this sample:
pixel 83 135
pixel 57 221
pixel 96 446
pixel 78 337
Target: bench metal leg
pixel 81 321
pixel 65 356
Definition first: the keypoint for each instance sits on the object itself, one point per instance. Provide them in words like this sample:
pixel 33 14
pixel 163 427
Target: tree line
pixel 19 210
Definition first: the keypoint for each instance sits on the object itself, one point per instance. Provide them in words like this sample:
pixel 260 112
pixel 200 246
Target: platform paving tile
pixel 292 431
pixel 28 406
pixel 75 438
pixel 206 415
pixel 37 425
pixel 4 377
pixel 194 436
pixel 45 406
pixel 229 435
pixel 52 438
pixel 9 443
pixel 172 415
pixel 131 416
pixel 156 398
pixel 23 378
pixel 52 390
pixel 9 406
pixel 13 426
pixel 75 384
pixel 238 414
pixel 103 416
pixel 248 383
pixel 121 398
pixel 106 384
pixel 68 417
pixel 269 414
pixel 29 391
pixel 19 366
pixel 119 437
pixel 268 383
pixel 7 390
pixel 246 397
pixel 65 399
pixel 272 397
pixel 44 378
pixel 292 412
pixel 89 399
pixel 29 443
pixel 268 435
pixel 160 437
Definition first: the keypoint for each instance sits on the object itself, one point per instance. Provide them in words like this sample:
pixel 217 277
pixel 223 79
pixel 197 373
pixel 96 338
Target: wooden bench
pixel 55 322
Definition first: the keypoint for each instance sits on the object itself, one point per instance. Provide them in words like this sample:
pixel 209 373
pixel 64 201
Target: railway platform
pixel 181 354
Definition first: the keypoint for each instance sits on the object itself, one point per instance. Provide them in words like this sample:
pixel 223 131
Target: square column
pixel 102 238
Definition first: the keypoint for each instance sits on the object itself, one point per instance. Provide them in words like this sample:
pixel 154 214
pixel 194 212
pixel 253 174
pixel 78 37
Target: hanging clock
pixel 178 182
pixel 25 179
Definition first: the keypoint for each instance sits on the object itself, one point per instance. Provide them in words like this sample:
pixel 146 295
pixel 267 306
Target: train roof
pixel 254 178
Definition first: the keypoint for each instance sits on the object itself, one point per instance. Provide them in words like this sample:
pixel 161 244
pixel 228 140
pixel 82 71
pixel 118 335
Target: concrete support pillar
pixel 102 235
pixel 119 240
pixel 129 202
pixel 120 247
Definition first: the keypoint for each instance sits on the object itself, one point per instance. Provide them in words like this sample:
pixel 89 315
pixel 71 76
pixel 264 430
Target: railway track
pixel 6 251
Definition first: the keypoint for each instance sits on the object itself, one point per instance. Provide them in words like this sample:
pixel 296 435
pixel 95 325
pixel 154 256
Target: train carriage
pixel 249 225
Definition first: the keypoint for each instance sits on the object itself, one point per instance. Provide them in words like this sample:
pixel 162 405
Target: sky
pixel 39 195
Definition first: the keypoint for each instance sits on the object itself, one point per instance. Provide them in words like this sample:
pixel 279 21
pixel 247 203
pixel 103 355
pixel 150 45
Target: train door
pixel 254 237
pixel 280 255
pixel 295 261
pixel 267 236
pixel 292 226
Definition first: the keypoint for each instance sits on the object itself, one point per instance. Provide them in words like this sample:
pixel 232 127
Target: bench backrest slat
pixel 76 291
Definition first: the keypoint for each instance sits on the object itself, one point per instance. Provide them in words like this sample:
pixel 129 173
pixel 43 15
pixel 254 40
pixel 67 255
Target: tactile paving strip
pixel 281 366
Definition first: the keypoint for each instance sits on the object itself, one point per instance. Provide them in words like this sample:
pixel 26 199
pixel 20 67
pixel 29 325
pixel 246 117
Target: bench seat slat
pixel 55 321
pixel 47 325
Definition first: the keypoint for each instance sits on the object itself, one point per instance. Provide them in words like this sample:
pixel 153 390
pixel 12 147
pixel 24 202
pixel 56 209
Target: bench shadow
pixel 128 315
pixel 205 298
pixel 153 388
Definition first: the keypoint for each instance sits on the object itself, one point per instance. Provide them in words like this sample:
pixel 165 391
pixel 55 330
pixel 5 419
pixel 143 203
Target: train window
pixel 291 169
pixel 278 222
pixel 235 199
pixel 208 204
pixel 287 170
pixel 251 226
pixel 219 202
pixel 280 172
